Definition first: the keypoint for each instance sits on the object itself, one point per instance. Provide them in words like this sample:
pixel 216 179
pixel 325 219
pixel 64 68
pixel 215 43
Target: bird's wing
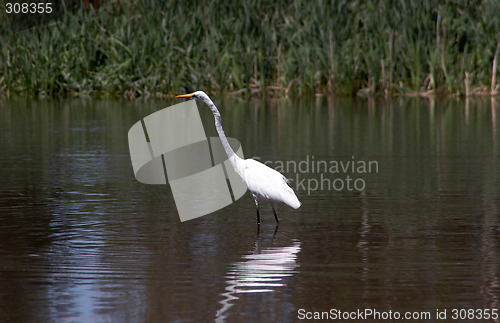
pixel 268 183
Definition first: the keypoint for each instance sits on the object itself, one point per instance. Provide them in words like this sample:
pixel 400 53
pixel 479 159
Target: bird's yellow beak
pixel 185 95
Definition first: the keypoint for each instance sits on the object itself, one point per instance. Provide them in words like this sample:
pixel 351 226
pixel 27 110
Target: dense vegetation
pixel 295 47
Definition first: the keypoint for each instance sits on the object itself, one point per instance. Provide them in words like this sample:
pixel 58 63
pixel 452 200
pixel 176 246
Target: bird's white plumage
pixel 266 182
pixel 261 180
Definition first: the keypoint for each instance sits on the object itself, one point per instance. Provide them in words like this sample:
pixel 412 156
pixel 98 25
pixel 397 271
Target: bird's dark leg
pixel 257 207
pixel 275 215
pixel 276 230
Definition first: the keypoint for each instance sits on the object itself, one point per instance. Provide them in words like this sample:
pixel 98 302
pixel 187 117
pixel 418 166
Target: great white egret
pixel 262 181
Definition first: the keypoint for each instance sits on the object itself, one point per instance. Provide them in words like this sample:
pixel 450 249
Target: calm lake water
pixel 81 240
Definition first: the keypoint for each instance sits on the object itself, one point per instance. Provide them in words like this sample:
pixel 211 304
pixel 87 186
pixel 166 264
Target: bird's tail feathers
pixel 291 199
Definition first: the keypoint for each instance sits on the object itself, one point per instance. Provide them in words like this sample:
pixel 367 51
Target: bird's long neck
pixel 218 125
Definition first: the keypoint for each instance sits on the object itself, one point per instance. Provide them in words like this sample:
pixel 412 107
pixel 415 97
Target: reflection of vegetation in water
pixel 409 138
pixel 344 47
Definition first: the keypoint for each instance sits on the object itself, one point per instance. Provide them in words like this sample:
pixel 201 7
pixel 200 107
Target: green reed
pixel 134 48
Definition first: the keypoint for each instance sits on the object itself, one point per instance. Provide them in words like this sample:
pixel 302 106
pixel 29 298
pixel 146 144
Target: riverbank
pixel 275 48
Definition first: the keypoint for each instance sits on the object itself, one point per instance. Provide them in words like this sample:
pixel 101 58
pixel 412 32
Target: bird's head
pixel 200 95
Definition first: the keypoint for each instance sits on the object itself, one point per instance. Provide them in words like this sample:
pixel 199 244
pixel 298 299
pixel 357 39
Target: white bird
pixel 262 181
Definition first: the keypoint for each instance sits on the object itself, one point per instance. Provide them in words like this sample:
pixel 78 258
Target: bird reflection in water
pixel 263 271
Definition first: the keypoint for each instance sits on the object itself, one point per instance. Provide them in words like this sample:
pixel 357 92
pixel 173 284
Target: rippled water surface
pixel 82 240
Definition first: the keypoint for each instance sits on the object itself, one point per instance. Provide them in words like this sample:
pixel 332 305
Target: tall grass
pixel 135 48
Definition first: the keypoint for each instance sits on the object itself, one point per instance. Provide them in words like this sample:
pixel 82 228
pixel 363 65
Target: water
pixel 82 240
